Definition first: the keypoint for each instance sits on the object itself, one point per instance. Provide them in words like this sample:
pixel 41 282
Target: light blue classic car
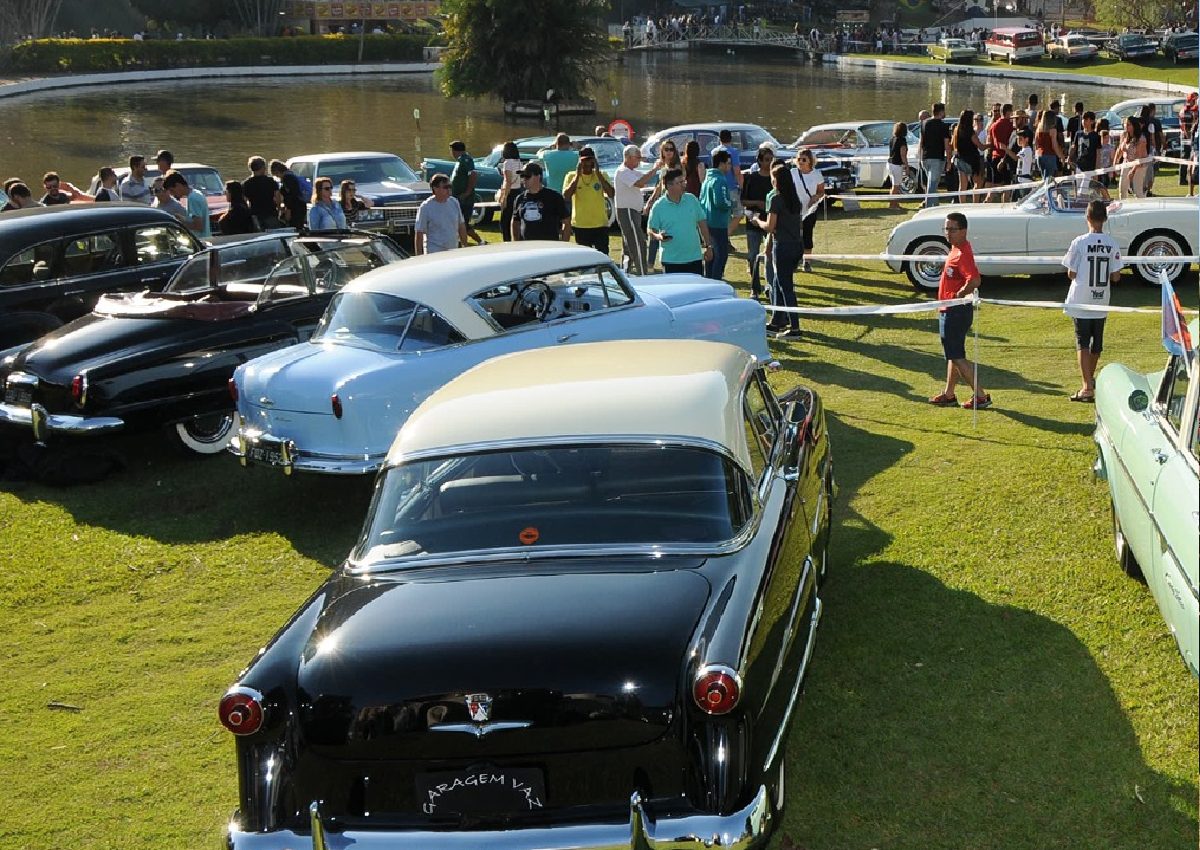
pixel 389 339
pixel 1146 431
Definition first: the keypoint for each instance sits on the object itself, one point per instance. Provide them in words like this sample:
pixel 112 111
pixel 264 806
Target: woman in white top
pixel 510 164
pixel 810 188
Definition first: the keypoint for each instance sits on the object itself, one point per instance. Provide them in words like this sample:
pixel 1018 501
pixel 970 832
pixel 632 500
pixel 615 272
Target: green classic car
pixel 609 157
pixel 1146 431
pixel 952 50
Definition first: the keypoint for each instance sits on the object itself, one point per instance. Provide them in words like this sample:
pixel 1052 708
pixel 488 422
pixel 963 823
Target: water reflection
pixel 222 122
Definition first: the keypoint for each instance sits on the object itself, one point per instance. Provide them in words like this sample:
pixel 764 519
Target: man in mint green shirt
pixel 678 221
pixel 559 161
pixel 714 197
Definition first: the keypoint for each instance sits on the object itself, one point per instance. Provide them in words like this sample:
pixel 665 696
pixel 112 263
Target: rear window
pixel 1027 39
pixel 384 323
pixel 567 496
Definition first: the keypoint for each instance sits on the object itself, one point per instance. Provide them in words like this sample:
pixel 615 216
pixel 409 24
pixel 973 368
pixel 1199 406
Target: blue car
pixel 335 403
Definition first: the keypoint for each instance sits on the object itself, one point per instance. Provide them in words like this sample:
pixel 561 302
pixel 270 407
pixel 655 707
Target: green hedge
pixel 89 56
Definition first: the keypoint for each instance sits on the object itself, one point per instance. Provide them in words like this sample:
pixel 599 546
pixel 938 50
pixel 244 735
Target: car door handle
pixel 1159 455
pixel 567 337
pixel 152 279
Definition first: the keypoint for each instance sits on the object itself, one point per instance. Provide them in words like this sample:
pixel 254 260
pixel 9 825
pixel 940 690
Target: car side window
pixel 32 265
pixel 1174 392
pixel 91 254
pixel 707 139
pixel 429 330
pixel 157 243
pixel 762 423
pixel 305 169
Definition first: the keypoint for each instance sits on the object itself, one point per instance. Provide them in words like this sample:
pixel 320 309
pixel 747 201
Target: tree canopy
pixel 1144 14
pixel 521 49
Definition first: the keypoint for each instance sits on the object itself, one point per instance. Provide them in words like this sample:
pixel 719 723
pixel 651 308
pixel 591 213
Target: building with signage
pixel 321 17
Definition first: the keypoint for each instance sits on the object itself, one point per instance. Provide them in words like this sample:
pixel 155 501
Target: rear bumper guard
pixel 740 830
pixel 253 447
pixel 43 423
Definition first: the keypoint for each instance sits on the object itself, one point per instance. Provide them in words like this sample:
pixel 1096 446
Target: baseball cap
pixel 530 169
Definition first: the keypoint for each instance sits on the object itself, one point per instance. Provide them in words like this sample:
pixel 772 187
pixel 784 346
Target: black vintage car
pixel 579 615
pixel 56 261
pixel 145 360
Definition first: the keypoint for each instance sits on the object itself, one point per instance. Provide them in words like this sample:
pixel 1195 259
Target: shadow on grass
pixel 1057 426
pixel 172 498
pixel 935 719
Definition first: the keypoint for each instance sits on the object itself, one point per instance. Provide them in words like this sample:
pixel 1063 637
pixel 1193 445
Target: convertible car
pixel 1043 224
pixel 146 360
pixel 335 403
pixel 494 664
pixel 862 146
pixel 1149 450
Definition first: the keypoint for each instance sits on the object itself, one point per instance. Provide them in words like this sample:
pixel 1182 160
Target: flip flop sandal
pixel 1086 398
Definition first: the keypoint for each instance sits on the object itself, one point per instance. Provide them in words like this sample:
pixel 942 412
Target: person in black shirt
pixel 1085 145
pixel 54 195
pixel 756 185
pixel 262 193
pixel 19 197
pixel 294 211
pixel 108 185
pixel 934 134
pixel 898 160
pixel 236 219
pixel 538 211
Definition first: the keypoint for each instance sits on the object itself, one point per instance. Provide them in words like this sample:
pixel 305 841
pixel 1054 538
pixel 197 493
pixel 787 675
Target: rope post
pixel 975 370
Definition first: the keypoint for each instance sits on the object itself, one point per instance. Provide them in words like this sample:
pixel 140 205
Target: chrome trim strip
pixel 739 830
pixel 567 440
pixel 480 729
pixel 787 715
pixel 60 423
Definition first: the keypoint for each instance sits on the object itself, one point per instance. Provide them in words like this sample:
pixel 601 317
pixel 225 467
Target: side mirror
pixel 1138 401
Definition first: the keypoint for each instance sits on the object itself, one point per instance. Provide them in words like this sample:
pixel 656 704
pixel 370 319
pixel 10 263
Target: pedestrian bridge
pixel 731 36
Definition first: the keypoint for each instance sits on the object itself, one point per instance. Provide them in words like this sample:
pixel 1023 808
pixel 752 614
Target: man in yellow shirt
pixel 585 189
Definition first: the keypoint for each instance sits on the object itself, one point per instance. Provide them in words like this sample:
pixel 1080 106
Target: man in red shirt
pixel 960 277
pixel 999 133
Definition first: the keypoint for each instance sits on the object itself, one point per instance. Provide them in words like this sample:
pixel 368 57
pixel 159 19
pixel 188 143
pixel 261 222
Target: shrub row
pixel 88 56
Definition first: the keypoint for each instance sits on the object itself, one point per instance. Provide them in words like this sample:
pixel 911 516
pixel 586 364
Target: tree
pixel 522 49
pixel 261 16
pixel 201 13
pixel 1144 14
pixel 28 17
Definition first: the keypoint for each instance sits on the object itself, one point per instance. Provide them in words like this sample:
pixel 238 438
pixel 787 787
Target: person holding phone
pixel 586 190
pixel 677 220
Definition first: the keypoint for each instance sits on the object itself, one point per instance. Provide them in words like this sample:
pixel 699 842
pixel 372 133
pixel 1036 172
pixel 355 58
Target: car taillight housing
pixel 233 393
pixel 717 689
pixel 336 404
pixel 241 711
pixel 79 388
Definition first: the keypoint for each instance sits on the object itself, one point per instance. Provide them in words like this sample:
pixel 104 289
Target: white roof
pixel 848 125
pixel 444 281
pixel 655 388
pixel 339 155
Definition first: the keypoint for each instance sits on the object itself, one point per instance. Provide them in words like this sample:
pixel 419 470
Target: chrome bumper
pixel 739 830
pixel 253 447
pixel 44 423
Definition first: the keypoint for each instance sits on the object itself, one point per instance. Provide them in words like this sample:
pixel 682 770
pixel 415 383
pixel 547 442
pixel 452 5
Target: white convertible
pixel 1043 225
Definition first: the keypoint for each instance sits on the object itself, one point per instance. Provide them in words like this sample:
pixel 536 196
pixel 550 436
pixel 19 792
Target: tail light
pixel 79 388
pixel 233 393
pixel 241 711
pixel 336 404
pixel 717 689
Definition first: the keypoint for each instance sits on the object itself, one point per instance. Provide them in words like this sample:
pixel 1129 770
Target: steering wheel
pixel 536 298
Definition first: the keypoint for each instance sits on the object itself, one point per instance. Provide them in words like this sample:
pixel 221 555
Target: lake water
pixel 222 122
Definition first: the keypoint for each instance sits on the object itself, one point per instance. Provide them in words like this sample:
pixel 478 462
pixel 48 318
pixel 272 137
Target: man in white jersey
pixel 1093 263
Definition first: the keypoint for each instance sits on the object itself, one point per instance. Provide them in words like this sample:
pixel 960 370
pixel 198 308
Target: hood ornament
pixel 479 706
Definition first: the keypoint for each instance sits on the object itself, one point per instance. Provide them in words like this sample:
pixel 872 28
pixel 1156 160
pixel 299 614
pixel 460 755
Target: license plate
pixel 482 791
pixel 272 455
pixel 18 396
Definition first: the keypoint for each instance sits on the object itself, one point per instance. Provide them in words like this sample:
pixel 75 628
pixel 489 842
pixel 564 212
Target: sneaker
pixel 974 403
pixel 788 333
pixel 807 266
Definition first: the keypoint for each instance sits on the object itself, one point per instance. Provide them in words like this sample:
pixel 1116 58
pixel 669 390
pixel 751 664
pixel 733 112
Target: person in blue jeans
pixel 714 197
pixel 756 185
pixel 785 225
pixel 934 135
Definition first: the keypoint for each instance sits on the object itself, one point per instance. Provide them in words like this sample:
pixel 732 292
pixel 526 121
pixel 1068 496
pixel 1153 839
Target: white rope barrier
pixel 930 306
pixel 1000 259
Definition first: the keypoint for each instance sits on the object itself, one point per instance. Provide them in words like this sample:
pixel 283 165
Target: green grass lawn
pixel 1158 68
pixel 985 675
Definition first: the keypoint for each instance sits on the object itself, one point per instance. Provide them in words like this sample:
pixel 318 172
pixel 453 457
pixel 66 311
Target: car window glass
pixel 383 322
pixel 878 135
pixel 680 140
pixel 303 169
pixel 1174 393
pixel 207 180
pixel 429 330
pixel 32 264
pixel 161 242
pixel 752 137
pixel 574 292
pixel 822 137
pixel 91 254
pixel 760 426
pixel 708 140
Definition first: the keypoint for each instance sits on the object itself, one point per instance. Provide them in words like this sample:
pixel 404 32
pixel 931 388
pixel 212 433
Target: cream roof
pixel 686 388
pixel 445 280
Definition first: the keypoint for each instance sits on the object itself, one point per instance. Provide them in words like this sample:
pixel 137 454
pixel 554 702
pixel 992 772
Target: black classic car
pixel 56 261
pixel 145 360
pixel 577 616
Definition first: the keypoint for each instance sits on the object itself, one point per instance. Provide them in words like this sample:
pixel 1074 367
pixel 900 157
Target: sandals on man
pixel 978 402
pixel 1085 397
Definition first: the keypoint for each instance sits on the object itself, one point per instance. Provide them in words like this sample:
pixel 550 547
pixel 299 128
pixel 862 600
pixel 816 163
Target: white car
pixel 864 144
pixel 1072 47
pixel 1043 224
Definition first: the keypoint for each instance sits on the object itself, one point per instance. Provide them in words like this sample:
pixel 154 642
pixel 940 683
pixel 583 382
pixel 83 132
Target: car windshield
pixel 953 42
pixel 581 497
pixel 609 154
pixel 383 323
pixel 377 169
pixel 878 135
pixel 207 180
pixel 755 137
pixel 325 271
pixel 1066 196
pixel 249 262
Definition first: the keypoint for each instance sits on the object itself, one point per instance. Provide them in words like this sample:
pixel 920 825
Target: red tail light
pixel 336 404
pixel 241 711
pixel 233 393
pixel 79 388
pixel 717 689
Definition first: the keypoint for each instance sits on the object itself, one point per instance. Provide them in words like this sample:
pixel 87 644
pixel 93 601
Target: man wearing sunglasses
pixel 538 211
